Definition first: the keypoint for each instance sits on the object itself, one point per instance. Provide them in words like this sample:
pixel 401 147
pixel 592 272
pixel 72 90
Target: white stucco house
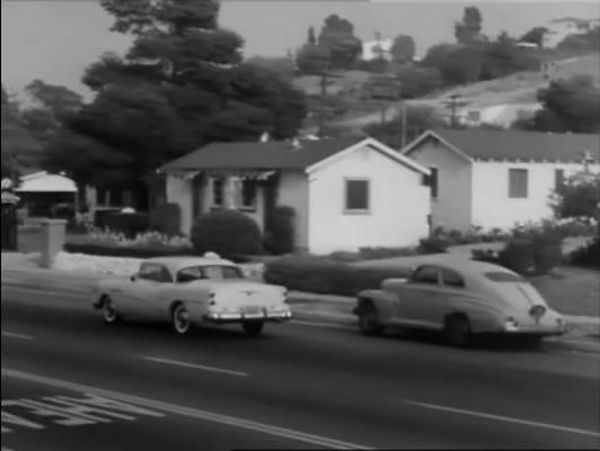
pixel 347 192
pixel 495 179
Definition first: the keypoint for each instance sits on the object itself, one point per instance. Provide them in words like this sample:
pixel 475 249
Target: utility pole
pixel 454 102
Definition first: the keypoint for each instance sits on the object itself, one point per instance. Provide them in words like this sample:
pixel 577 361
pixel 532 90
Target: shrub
pixel 125 251
pixel 345 256
pixel 319 275
pixel 588 255
pixel 433 245
pixel 166 218
pixel 130 224
pixel 375 253
pixel 518 256
pixel 226 232
pixel 281 231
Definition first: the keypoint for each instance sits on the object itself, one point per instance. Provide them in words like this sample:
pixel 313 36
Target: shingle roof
pixel 261 155
pixel 511 145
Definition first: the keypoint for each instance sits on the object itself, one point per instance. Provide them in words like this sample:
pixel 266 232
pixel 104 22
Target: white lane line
pixel 16 335
pixel 196 366
pixel 320 441
pixel 503 418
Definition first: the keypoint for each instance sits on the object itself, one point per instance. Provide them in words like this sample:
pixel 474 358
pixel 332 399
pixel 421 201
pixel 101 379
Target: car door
pixel 451 291
pixel 419 299
pixel 148 290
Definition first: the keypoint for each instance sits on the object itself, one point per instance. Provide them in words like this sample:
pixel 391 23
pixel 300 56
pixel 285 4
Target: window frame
pixel 158 269
pixel 359 211
pixel 245 183
pixel 213 197
pixel 512 194
pixel 434 182
pixel 427 267
pixel 446 271
pixel 559 178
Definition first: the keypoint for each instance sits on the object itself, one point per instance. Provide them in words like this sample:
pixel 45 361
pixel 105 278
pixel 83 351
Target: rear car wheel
pixel 368 320
pixel 109 311
pixel 181 319
pixel 253 328
pixel 457 330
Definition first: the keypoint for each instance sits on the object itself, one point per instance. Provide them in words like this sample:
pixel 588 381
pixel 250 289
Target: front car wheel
pixel 109 311
pixel 457 331
pixel 253 328
pixel 368 320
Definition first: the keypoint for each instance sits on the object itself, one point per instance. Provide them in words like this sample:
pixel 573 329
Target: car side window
pixel 452 279
pixel 427 275
pixel 190 274
pixel 154 272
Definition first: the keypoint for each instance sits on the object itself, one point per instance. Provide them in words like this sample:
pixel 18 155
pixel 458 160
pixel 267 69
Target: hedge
pixel 280 230
pixel 141 251
pixel 166 218
pixel 319 275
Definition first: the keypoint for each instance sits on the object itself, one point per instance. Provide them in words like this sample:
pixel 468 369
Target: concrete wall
pixel 293 191
pixel 399 204
pixel 179 191
pixel 492 207
pixel 452 208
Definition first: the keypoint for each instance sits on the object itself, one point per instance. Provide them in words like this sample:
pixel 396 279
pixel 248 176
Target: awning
pixel 42 182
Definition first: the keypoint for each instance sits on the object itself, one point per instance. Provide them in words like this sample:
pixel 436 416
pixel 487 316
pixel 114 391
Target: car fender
pixel 483 316
pixel 382 300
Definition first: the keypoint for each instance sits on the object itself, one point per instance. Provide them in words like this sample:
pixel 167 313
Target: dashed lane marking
pixel 16 335
pixel 196 366
pixel 505 419
pixel 203 415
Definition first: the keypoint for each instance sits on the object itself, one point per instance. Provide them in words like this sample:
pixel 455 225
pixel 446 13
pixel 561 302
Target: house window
pixel 217 192
pixel 559 179
pixel 433 182
pixel 357 196
pixel 248 197
pixel 517 183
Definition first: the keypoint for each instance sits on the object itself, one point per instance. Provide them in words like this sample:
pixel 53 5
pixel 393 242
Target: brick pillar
pixel 53 239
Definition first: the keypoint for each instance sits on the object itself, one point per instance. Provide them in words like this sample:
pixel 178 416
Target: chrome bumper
pixel 238 317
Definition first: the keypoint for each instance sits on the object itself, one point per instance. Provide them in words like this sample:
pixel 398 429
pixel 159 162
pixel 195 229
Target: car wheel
pixel 457 330
pixel 368 320
pixel 109 311
pixel 253 328
pixel 181 319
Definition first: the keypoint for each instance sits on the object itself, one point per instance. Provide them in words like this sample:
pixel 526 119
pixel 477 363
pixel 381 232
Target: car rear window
pixel 504 277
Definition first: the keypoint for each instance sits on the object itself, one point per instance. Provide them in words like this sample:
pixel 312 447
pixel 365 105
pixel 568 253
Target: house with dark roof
pixel 495 179
pixel 346 192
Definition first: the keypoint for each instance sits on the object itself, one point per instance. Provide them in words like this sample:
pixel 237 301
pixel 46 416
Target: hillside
pixel 518 88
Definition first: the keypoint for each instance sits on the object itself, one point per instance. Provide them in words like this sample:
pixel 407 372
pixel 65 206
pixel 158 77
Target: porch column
pixel 228 193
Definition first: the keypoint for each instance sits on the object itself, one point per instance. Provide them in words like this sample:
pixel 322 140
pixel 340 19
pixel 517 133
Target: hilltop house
pixel 346 192
pixel 495 179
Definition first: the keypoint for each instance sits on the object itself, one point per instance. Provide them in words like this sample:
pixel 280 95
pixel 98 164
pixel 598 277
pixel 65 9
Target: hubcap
pixel 110 312
pixel 182 320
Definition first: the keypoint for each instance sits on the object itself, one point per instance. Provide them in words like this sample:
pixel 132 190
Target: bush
pixel 226 232
pixel 588 255
pixel 375 253
pixel 281 231
pixel 518 256
pixel 166 218
pixel 130 224
pixel 319 275
pixel 485 255
pixel 433 245
pixel 418 81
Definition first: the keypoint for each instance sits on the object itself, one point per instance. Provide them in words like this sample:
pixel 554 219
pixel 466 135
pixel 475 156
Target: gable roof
pixel 515 145
pixel 261 155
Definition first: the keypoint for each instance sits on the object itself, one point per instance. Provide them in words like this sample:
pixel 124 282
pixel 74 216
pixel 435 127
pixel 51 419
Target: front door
pixel 147 291
pixel 420 300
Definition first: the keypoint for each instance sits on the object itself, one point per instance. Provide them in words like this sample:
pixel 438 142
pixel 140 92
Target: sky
pixel 55 40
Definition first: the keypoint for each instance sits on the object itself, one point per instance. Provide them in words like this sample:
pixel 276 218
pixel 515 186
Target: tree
pixel 568 106
pixel 403 49
pixel 468 30
pixel 456 64
pixel 578 196
pixel 535 36
pixel 337 36
pixel 181 85
pixel 283 67
pixel 20 150
pixel 418 81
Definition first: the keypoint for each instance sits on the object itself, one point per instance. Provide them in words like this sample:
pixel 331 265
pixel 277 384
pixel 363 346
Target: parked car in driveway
pixel 459 298
pixel 191 291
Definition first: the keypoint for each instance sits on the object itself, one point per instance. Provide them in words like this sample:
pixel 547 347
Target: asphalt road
pixel 297 386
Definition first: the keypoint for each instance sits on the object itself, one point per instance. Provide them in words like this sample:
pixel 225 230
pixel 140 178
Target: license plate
pixel 251 310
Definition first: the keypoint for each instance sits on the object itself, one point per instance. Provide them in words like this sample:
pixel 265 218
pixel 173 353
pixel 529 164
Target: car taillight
pixel 211 299
pixel 511 324
pixel 537 311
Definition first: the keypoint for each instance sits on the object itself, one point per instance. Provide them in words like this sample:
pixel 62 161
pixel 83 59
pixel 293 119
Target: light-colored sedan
pixel 191 291
pixel 459 298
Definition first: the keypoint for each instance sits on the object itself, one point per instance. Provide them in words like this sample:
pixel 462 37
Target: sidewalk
pixel 20 270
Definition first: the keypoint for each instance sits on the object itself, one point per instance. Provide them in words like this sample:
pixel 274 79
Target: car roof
pixel 463 265
pixel 175 264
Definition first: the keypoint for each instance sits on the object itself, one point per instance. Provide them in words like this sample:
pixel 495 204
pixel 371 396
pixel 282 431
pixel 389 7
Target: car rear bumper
pixel 265 316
